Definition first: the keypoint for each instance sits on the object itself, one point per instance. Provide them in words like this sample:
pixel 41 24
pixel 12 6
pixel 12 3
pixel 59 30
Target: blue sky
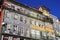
pixel 53 5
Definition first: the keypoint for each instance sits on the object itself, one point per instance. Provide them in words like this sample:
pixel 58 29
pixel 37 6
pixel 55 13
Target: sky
pixel 53 5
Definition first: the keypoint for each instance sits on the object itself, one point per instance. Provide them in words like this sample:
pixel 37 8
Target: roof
pixel 25 6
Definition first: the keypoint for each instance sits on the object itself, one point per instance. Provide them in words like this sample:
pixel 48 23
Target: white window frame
pixel 8 15
pixel 16 16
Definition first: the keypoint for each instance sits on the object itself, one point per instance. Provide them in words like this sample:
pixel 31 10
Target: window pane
pixel 21 18
pixel 37 34
pixel 27 33
pixel 8 26
pixel 22 31
pixel 8 15
pixel 33 22
pixel 15 29
pixel 22 10
pixel 16 16
pixel 30 21
pixel 41 24
pixel 25 19
pixel 32 33
pixel 37 23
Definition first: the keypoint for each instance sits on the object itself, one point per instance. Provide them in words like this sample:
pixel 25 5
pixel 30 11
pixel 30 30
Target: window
pixel 21 18
pixel 42 17
pixel 30 21
pixel 28 14
pixel 37 23
pixel 33 22
pixel 37 34
pixel 16 16
pixel 48 25
pixel 51 26
pixel 39 16
pixel 15 29
pixel 22 31
pixel 27 33
pixel 32 14
pixel 22 9
pixel 9 26
pixel 13 7
pixel 17 8
pixel 24 19
pixel 26 11
pixel 4 27
pixel 41 24
pixel 35 15
pixel 32 33
pixel 8 15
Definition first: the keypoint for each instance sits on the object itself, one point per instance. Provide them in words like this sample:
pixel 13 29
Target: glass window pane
pixel 8 15
pixel 21 18
pixel 16 16
pixel 37 23
pixel 8 26
pixel 27 33
pixel 32 33
pixel 37 34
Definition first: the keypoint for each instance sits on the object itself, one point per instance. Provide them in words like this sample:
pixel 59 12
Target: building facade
pixel 20 22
